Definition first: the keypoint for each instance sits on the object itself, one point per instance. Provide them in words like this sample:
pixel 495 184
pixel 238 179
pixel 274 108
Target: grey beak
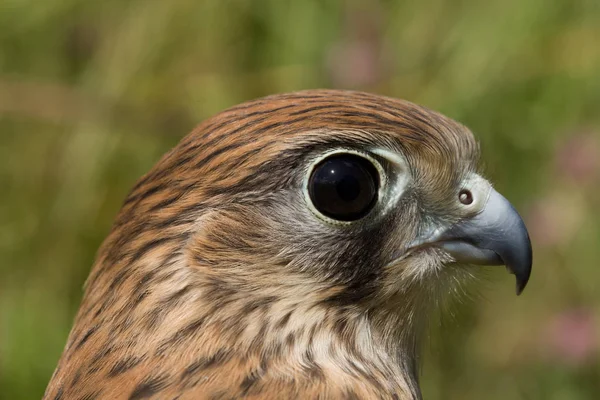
pixel 495 236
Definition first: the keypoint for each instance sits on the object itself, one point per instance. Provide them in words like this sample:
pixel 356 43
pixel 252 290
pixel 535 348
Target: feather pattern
pixel 216 282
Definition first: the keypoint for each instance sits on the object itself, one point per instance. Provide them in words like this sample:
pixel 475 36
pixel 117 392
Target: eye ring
pixel 344 185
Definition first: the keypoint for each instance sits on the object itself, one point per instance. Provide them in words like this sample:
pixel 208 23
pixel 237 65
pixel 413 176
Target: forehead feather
pixel 231 145
pixel 267 122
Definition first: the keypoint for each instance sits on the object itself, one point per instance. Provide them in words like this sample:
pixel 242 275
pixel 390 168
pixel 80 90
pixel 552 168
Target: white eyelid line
pixel 383 179
pixel 402 176
pixel 480 189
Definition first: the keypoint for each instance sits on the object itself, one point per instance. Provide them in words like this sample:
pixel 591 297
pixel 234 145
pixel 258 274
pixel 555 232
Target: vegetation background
pixel 93 93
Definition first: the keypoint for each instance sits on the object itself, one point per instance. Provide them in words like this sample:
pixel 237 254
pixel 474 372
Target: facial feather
pixel 217 280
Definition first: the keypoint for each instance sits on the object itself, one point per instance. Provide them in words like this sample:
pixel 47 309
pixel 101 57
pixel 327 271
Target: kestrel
pixel 291 247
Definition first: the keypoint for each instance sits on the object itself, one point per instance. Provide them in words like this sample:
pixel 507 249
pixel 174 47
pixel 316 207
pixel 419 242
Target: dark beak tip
pixel 521 283
pixel 519 258
pixel 523 273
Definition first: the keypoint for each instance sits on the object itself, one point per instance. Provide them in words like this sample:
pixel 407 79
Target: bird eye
pixel 466 197
pixel 344 187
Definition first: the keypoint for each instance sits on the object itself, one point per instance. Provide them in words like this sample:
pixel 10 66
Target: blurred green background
pixel 93 93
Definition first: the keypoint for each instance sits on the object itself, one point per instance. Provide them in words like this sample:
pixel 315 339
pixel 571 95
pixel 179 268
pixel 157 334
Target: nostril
pixel 465 196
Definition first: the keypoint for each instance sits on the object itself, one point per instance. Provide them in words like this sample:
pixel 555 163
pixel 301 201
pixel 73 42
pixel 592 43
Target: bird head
pixel 349 198
pixel 298 236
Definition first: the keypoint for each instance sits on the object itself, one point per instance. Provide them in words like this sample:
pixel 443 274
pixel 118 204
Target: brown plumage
pixel 221 280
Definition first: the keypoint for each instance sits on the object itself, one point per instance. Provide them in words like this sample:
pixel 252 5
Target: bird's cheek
pixel 416 268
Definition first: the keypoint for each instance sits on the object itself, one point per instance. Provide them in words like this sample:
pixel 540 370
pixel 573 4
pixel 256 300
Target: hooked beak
pixel 495 236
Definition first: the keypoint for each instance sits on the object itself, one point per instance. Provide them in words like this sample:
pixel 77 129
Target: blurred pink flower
pixel 554 220
pixel 572 337
pixel 358 58
pixel 354 64
pixel 578 160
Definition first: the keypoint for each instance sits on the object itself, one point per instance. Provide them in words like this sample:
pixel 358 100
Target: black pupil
pixel 344 187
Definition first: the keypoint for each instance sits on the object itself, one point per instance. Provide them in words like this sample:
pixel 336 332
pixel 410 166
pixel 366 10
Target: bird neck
pixel 288 330
pixel 284 331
